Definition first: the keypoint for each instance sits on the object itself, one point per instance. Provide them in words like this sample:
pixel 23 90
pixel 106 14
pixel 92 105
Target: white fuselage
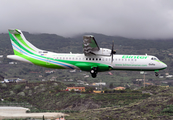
pixel 120 62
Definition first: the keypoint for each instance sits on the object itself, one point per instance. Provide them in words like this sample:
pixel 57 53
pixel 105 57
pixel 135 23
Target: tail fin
pixel 19 42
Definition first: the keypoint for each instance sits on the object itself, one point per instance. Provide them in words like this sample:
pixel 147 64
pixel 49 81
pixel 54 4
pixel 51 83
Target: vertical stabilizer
pixel 19 42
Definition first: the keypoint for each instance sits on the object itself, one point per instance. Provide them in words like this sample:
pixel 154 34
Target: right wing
pixel 89 45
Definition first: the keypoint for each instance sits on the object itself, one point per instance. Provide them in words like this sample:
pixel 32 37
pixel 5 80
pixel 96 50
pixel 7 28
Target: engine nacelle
pixel 103 52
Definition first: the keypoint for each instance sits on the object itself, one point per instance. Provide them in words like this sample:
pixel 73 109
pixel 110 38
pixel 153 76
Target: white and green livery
pixel 93 60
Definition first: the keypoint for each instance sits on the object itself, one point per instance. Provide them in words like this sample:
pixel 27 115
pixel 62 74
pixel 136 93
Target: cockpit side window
pixel 154 59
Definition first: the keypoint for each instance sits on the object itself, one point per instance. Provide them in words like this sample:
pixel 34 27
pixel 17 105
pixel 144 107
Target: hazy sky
pixel 127 18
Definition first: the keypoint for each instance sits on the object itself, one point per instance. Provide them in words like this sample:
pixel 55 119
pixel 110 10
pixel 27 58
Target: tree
pixel 72 91
pixel 89 90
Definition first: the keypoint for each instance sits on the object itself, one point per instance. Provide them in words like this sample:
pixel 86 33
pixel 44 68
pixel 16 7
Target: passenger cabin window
pixel 86 58
pixel 99 58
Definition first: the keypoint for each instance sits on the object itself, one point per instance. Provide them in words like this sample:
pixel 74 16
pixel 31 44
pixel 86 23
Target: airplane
pixel 94 59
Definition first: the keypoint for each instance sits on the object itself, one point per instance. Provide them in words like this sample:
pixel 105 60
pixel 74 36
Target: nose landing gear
pixel 156 74
pixel 94 72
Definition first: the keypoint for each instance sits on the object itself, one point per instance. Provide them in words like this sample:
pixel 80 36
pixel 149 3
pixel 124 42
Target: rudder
pixel 19 42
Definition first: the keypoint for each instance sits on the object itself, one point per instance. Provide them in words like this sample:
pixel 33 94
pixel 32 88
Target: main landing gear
pixel 94 72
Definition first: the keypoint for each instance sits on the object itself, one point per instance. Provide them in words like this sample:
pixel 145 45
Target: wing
pixel 89 45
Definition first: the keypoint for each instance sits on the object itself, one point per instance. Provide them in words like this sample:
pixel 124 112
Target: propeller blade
pixel 112 58
pixel 112 51
pixel 112 47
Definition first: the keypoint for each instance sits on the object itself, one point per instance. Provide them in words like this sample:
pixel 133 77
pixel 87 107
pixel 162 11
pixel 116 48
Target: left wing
pixel 90 45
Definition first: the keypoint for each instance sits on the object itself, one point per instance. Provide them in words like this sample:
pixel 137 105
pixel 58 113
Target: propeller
pixel 112 52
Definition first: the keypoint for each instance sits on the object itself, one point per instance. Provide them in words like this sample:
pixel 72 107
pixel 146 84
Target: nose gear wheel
pixel 156 74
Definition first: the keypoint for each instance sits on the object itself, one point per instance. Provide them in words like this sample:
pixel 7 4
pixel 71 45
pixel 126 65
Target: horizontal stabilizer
pixel 14 31
pixel 15 57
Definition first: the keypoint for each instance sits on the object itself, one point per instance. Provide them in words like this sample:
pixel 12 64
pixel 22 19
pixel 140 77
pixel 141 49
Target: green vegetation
pixel 168 110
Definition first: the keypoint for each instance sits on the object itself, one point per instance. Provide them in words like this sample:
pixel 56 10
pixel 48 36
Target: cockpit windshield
pixel 154 58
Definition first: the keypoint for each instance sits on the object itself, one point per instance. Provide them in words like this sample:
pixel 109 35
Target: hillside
pixel 158 106
pixel 52 96
pixel 152 102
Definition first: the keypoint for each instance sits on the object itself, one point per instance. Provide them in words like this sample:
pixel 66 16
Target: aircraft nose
pixel 164 65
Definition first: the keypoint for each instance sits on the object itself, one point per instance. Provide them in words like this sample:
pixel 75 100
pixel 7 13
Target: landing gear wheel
pixel 156 74
pixel 94 75
pixel 94 72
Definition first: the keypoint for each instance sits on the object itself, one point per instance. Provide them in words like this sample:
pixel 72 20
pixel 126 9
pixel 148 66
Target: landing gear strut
pixel 156 74
pixel 94 72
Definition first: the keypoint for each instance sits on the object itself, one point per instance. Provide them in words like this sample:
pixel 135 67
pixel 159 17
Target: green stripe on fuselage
pixel 160 61
pixel 139 69
pixel 40 63
pixel 86 66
